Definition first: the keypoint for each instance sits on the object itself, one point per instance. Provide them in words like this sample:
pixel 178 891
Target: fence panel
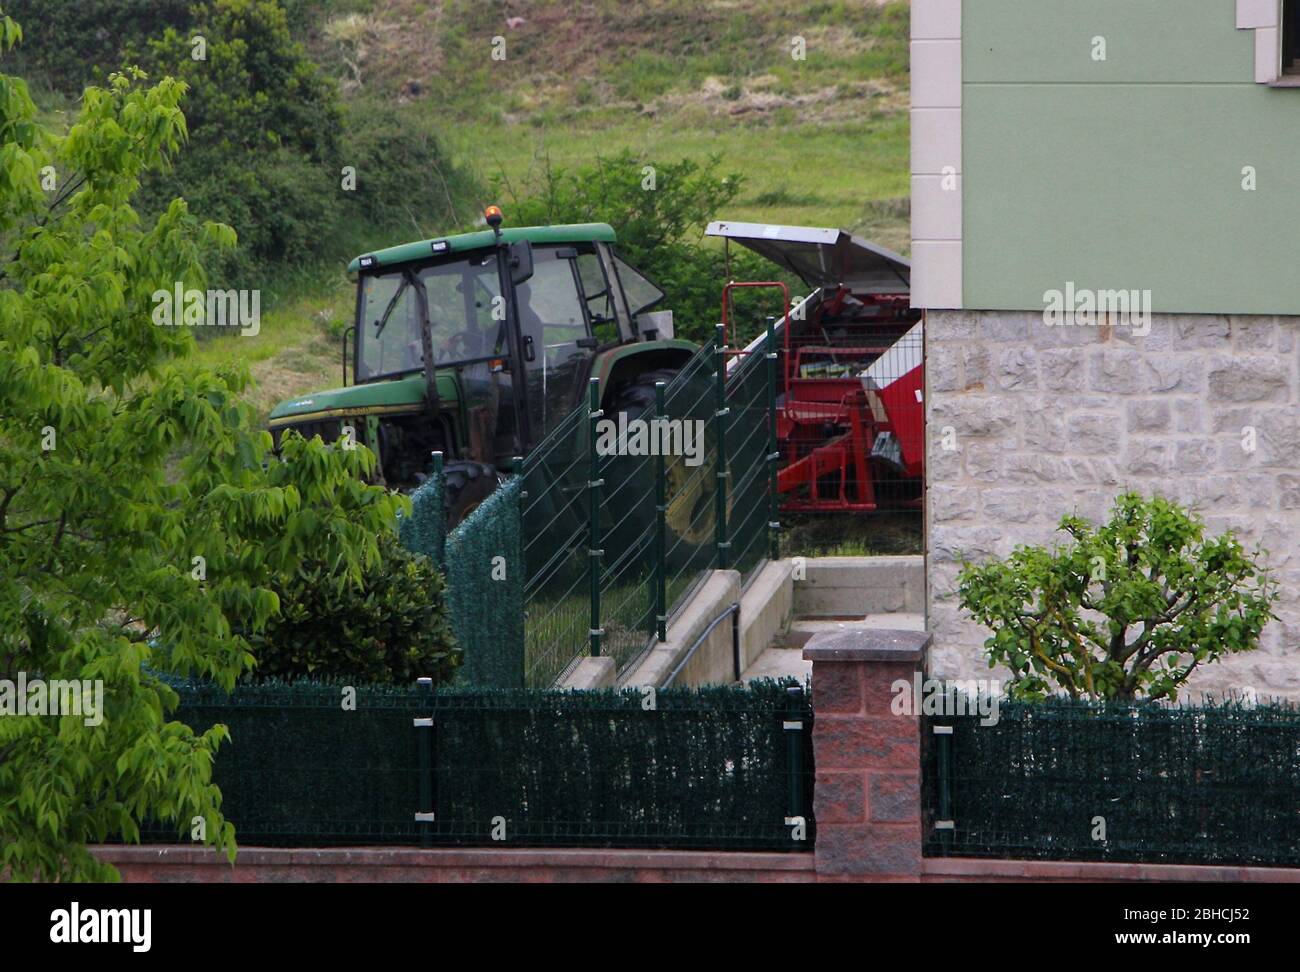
pixel 1216 784
pixel 556 551
pixel 543 526
pixel 703 768
pixel 749 440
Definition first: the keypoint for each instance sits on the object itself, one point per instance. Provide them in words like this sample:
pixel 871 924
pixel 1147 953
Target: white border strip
pixel 936 154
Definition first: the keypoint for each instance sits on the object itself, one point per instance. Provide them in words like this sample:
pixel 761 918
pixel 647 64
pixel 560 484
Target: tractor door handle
pixel 530 352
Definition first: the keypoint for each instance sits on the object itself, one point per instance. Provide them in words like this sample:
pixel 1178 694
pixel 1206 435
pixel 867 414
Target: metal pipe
pixel 734 613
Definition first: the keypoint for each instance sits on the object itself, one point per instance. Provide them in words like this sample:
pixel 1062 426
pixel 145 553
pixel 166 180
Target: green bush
pixel 392 629
pixel 263 125
pixel 1131 608
pixel 71 43
pixel 404 180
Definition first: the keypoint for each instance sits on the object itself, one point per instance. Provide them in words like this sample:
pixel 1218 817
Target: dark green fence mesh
pixel 691 516
pixel 482 561
pixel 425 530
pixel 709 768
pixel 544 525
pixel 1214 784
pixel 485 591
pixel 747 450
pixel 555 551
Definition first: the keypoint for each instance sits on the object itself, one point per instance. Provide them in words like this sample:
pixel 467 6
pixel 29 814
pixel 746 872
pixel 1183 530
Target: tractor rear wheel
pixel 690 515
pixel 465 486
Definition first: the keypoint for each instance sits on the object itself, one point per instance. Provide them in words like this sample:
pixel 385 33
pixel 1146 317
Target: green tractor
pixel 478 345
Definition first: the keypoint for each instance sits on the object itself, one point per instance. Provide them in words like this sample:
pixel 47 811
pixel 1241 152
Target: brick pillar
pixel 867 799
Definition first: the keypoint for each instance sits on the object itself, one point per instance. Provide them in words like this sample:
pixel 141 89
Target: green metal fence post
pixel 794 727
pixel 945 824
pixel 424 816
pixel 773 451
pixel 594 482
pixel 661 524
pixel 720 414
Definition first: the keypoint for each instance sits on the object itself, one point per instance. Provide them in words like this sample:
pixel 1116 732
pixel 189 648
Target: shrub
pixel 69 44
pixel 391 628
pixel 263 125
pixel 404 178
pixel 1131 607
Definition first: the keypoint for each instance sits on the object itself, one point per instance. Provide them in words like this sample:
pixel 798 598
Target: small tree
pixel 1130 608
pixel 139 502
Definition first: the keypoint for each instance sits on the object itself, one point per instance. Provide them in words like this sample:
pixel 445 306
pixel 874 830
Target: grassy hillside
pixel 822 140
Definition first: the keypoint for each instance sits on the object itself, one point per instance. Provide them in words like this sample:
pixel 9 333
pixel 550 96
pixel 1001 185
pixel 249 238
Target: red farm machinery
pixel 849 408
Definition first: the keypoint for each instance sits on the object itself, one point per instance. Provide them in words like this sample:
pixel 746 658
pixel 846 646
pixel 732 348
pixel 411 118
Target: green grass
pixel 818 175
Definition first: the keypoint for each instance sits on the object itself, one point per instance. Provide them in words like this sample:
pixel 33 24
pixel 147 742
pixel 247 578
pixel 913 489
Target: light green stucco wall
pixel 1125 173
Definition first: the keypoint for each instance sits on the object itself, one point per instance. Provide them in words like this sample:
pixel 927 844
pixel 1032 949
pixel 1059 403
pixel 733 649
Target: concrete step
pixel 801 629
pixel 836 587
pixel 785 656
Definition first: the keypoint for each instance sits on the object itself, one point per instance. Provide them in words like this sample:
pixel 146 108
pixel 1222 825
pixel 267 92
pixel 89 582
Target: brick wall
pixel 1050 420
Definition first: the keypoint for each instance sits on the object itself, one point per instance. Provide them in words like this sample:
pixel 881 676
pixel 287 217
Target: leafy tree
pixel 392 628
pixel 1131 608
pixel 659 211
pixel 264 126
pixel 138 503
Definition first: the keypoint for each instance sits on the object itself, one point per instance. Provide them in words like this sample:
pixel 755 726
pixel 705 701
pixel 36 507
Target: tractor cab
pixel 477 345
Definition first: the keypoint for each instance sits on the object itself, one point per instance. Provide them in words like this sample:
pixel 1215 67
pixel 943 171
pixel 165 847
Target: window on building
pixel 1291 38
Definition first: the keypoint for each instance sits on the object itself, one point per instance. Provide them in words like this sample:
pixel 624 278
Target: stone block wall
pixel 1051 420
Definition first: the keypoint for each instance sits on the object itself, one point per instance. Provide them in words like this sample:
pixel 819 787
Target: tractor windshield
pixel 466 316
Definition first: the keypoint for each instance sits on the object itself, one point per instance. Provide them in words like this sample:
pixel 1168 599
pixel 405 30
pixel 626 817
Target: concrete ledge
pixel 844 587
pixel 592 673
pixel 167 863
pixel 872 644
pixel 766 608
pixel 974 869
pixel 712 663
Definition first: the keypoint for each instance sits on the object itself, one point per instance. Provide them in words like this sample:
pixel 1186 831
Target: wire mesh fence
pixel 710 768
pixel 661 518
pixel 1210 784
pixel 609 539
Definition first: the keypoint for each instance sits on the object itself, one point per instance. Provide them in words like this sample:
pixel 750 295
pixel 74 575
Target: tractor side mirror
pixel 655 325
pixel 521 262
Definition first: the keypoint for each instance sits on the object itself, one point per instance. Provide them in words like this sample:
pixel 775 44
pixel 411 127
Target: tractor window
pixel 551 313
pixel 640 292
pixel 600 298
pixel 465 316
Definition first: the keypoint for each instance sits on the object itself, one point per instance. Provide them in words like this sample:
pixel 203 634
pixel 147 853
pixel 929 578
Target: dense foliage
pixel 391 629
pixel 1131 608
pixel 139 505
